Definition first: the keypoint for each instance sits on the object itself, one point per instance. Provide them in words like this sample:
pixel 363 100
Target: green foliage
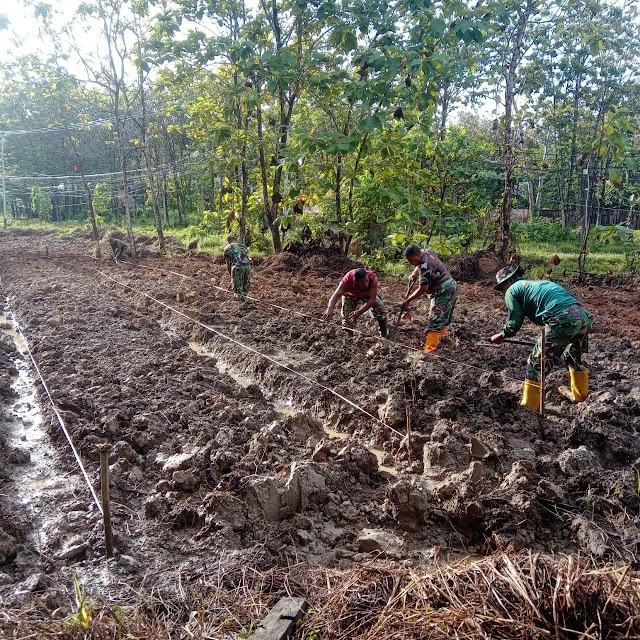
pixel 212 244
pixel 101 201
pixel 540 229
pixel 41 203
pixel 84 614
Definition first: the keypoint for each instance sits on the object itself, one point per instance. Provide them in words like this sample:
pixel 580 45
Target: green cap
pixel 506 272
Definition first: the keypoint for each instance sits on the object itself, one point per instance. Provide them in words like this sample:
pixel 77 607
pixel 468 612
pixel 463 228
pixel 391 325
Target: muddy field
pixel 256 433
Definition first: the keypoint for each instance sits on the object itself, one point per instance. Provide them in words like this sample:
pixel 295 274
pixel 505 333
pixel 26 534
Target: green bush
pixel 544 230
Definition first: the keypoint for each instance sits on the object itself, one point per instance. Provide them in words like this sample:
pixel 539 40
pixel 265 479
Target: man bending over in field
pixel 566 326
pixel 359 285
pixel 238 263
pixel 119 249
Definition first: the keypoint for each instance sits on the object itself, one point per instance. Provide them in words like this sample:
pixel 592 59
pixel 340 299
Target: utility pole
pixel 4 190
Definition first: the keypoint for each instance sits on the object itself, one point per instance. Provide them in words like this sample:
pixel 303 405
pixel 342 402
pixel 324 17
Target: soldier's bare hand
pixel 498 338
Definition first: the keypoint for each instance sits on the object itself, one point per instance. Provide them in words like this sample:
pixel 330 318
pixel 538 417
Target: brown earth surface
pixel 253 433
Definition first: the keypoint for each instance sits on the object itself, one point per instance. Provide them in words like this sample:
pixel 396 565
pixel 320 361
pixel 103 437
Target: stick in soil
pixel 106 505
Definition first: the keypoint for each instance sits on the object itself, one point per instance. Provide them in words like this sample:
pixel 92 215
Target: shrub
pixel 544 230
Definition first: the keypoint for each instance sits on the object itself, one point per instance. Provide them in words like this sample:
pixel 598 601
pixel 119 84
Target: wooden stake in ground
pixel 543 345
pixel 407 408
pixel 104 490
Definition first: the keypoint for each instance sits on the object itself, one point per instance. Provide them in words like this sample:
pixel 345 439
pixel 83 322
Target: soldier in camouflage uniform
pixel 567 324
pixel 435 280
pixel 238 264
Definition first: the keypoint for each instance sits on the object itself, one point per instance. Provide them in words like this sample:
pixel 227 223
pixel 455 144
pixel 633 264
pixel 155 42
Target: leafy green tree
pixel 41 203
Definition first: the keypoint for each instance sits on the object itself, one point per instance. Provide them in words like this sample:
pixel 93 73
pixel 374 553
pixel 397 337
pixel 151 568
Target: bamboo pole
pixel 106 504
pixel 543 345
pixel 407 409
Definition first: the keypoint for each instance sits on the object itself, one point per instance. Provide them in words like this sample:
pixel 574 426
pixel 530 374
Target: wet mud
pixel 257 431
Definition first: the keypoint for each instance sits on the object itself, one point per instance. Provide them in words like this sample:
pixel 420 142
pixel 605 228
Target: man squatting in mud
pixel 236 257
pixel 359 285
pixel 436 281
pixel 567 324
pixel 119 249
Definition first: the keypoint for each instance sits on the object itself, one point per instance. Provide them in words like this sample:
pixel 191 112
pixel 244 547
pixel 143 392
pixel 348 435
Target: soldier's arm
pixel 515 316
pixel 227 260
pixel 418 293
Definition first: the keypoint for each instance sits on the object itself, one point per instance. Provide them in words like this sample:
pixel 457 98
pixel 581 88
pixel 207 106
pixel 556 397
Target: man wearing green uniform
pixel 567 324
pixel 435 280
pixel 238 264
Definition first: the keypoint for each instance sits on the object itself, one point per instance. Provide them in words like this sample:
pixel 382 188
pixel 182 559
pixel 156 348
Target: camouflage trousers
pixel 566 338
pixel 240 277
pixel 443 302
pixel 349 305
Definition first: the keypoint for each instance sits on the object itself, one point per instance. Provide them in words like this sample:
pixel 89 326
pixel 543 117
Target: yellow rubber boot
pixel 579 384
pixel 531 395
pixel 443 332
pixel 432 341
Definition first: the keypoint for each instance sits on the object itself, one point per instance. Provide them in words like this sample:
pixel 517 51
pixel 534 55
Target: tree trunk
pixel 87 188
pixel 574 133
pixel 125 184
pixel 165 203
pixel 509 73
pixel 264 178
pixel 338 183
pixel 445 111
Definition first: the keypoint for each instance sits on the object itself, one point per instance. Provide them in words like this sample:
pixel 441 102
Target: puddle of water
pixel 286 408
pixel 332 433
pixel 24 434
pixel 21 345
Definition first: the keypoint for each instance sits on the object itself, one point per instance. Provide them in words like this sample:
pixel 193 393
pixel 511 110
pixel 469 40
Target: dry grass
pixel 506 596
pixel 525 596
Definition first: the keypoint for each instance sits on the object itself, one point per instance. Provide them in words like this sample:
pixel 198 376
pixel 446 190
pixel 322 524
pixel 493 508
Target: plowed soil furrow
pixel 229 439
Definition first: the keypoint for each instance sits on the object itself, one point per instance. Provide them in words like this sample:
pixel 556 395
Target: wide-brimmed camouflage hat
pixel 506 272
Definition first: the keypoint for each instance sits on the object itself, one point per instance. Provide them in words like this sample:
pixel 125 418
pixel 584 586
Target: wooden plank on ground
pixel 280 622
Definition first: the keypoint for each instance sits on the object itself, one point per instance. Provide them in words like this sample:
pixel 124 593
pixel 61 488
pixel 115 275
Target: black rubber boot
pixel 383 329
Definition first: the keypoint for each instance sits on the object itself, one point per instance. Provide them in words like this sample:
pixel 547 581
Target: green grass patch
pixel 599 260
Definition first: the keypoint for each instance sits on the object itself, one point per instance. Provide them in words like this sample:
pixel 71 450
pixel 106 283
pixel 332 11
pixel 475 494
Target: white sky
pixel 23 28
pixel 15 14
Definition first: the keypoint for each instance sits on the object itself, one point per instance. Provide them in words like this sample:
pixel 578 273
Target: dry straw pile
pixel 523 596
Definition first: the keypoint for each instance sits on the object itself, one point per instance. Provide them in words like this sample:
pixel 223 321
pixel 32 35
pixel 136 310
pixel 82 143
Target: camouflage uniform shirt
pixel 432 271
pixel 237 254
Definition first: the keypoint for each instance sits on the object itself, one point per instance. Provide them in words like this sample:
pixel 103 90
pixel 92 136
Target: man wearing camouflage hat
pixel 567 324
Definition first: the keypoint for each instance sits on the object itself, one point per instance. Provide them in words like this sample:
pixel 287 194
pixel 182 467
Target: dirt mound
pixel 478 265
pixel 331 262
pixel 282 262
pixel 30 232
pixel 313 258
pixel 324 262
